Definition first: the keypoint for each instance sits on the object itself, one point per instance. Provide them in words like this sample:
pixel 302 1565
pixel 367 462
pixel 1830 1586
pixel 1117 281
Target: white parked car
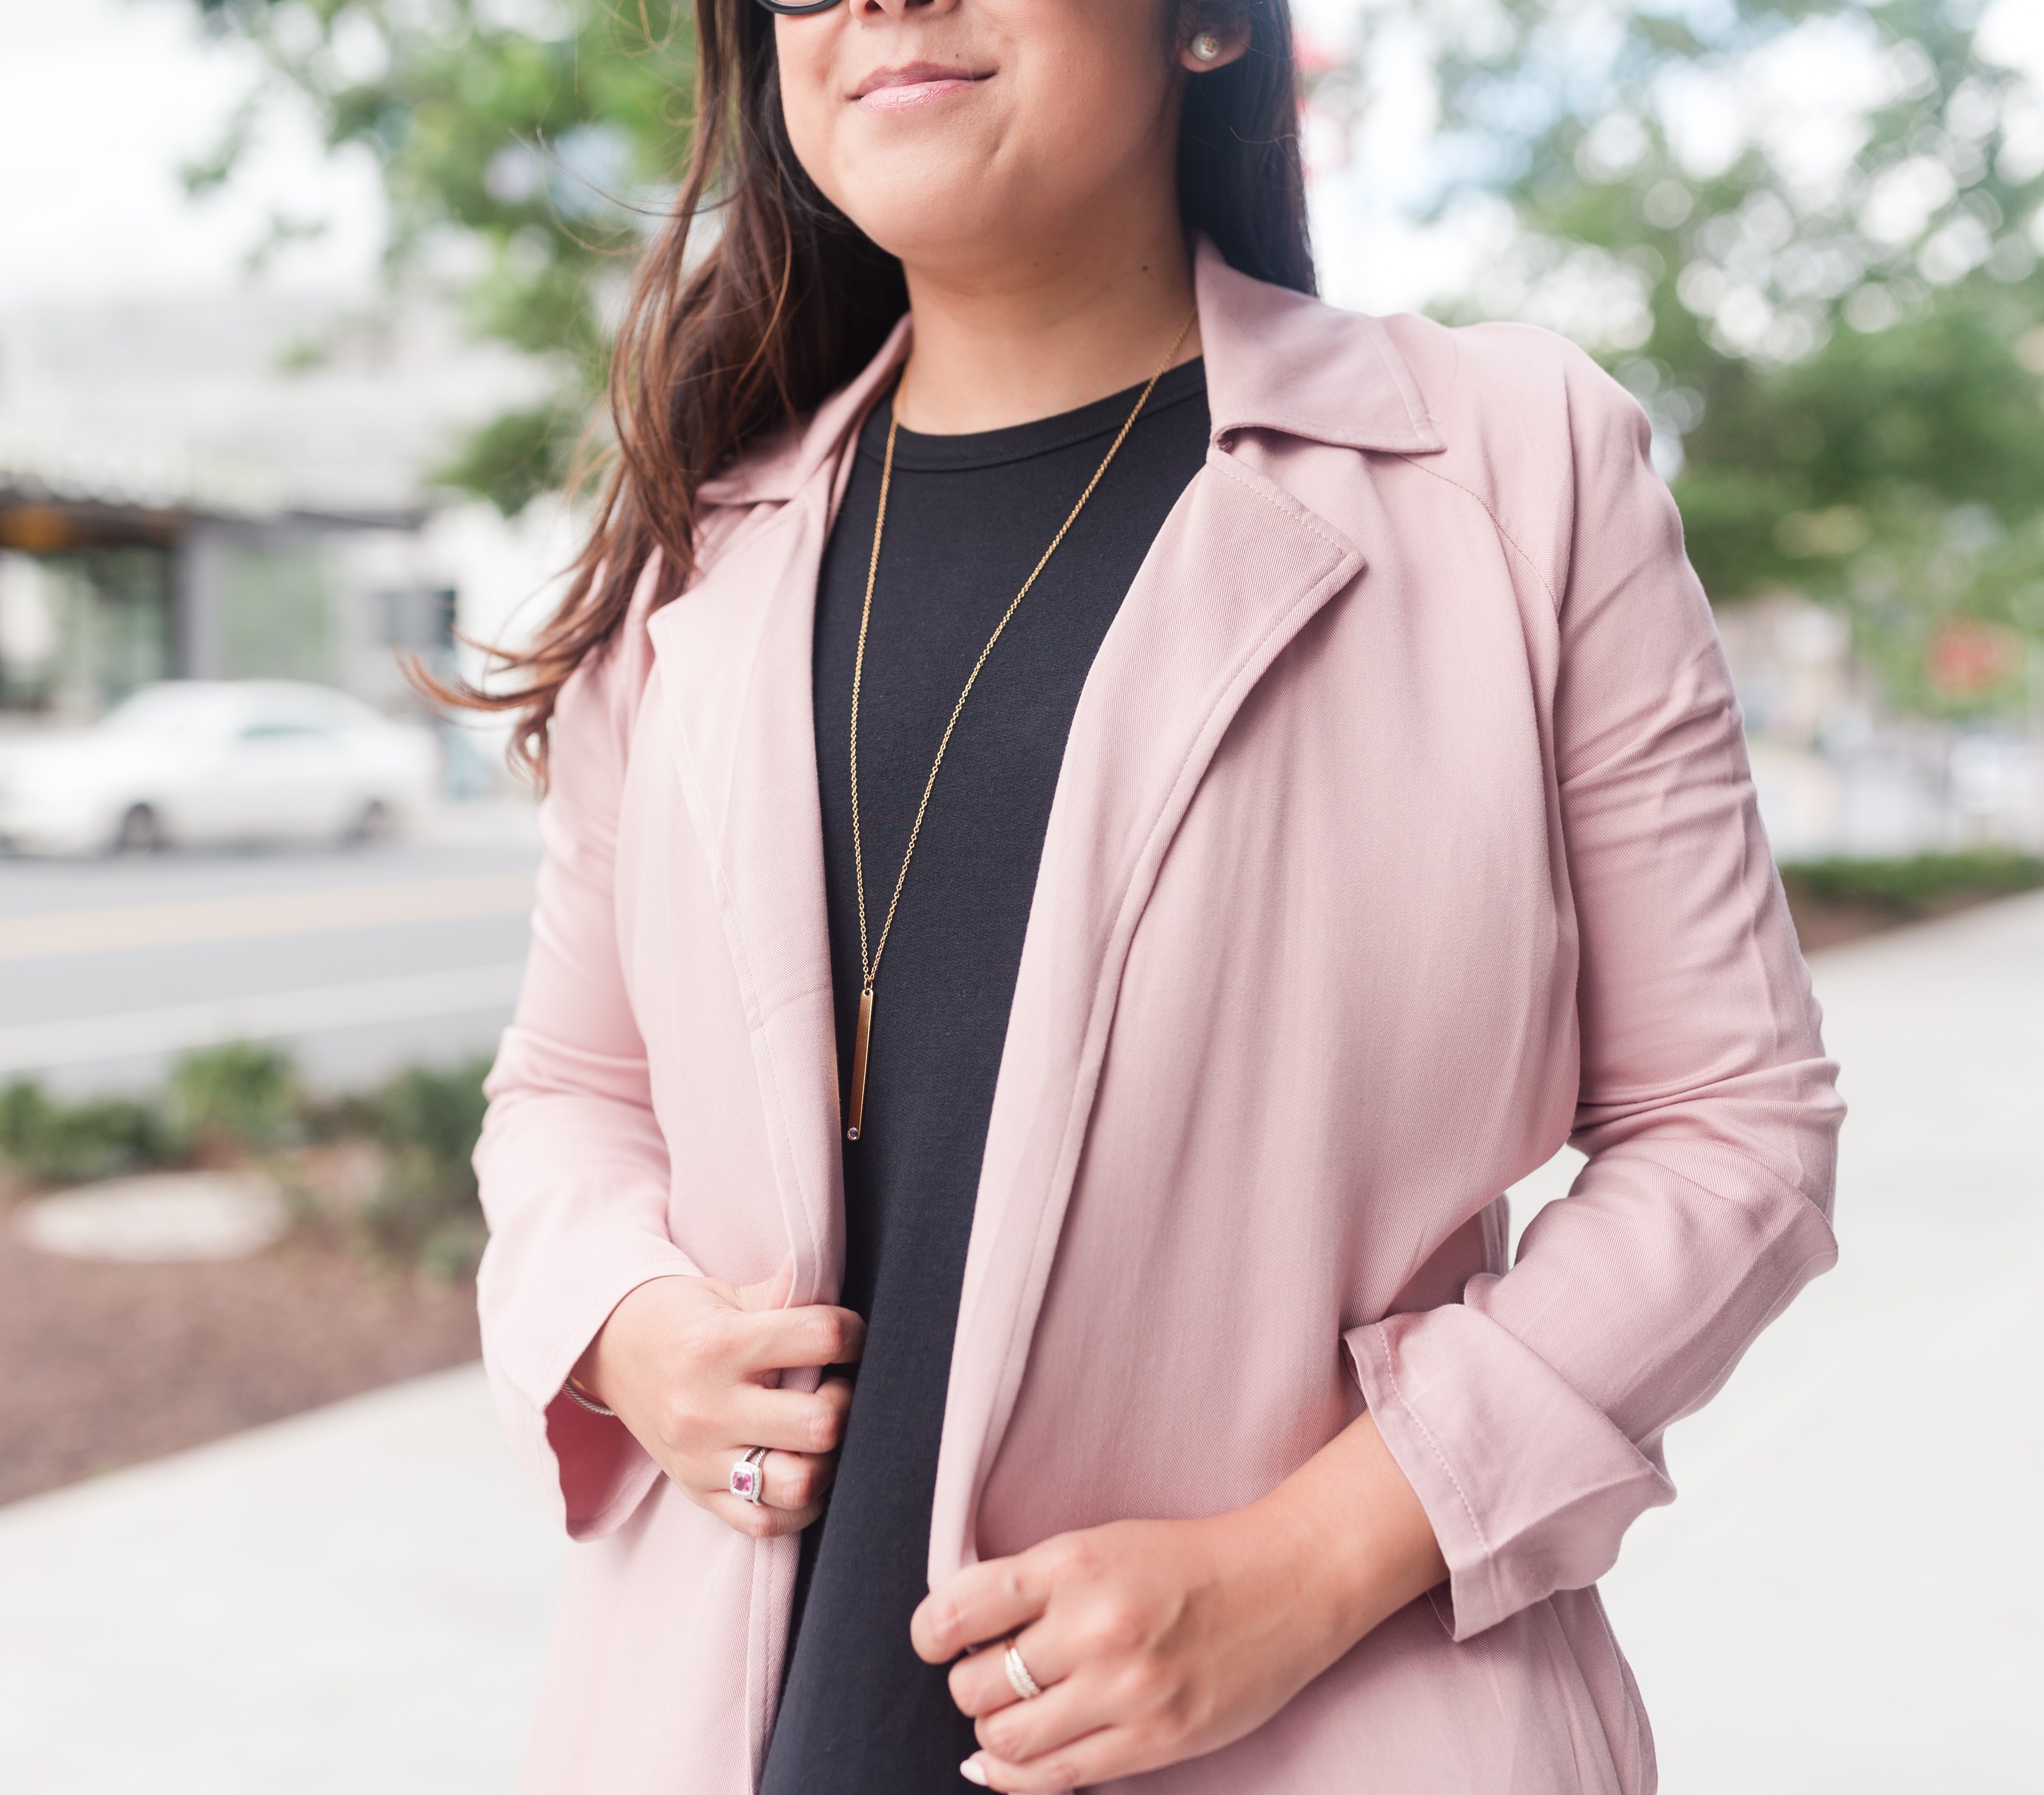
pixel 193 761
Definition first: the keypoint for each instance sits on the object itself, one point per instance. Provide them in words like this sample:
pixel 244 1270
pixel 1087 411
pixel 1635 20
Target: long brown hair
pixel 723 347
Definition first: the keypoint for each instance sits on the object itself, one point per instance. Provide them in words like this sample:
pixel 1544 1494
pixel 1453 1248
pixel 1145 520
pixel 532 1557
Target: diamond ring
pixel 1026 1687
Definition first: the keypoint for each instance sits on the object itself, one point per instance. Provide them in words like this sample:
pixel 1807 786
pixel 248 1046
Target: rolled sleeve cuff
pixel 1529 1486
pixel 596 1472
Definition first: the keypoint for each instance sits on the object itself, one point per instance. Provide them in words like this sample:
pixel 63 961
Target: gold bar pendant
pixel 858 1041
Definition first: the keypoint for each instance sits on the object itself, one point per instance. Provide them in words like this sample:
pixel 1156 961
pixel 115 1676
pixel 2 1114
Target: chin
pixel 930 217
pixel 925 183
pixel 940 241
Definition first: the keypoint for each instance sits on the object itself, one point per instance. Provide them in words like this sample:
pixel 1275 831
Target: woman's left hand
pixel 1155 1641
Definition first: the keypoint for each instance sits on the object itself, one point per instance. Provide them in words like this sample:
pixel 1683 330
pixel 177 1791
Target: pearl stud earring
pixel 1207 46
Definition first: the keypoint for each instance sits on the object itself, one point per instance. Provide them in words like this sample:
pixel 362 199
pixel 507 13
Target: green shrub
pixel 441 1112
pixel 245 1098
pixel 427 1214
pixel 242 1095
pixel 1922 885
pixel 52 1143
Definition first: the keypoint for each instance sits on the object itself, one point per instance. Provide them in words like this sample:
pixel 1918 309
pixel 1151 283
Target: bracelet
pixel 575 1394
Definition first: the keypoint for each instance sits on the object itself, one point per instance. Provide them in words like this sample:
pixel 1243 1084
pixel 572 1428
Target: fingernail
pixel 970 1770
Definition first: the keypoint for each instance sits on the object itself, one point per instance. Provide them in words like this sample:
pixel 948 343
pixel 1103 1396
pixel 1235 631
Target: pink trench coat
pixel 1404 833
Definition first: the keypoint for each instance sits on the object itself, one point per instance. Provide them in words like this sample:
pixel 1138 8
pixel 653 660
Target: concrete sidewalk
pixel 355 1602
pixel 1845 1599
pixel 352 1602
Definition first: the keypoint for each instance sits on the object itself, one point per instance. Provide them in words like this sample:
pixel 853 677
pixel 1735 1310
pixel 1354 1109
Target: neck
pixel 996 347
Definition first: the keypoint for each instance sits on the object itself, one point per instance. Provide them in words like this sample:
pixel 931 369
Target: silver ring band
pixel 748 1477
pixel 1026 1687
pixel 581 1399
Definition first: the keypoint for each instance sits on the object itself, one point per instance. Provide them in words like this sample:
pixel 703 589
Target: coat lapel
pixel 735 657
pixel 1238 570
pixel 734 662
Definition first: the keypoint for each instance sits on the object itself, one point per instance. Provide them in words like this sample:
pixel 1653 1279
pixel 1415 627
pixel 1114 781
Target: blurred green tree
pixel 1806 234
pixel 526 147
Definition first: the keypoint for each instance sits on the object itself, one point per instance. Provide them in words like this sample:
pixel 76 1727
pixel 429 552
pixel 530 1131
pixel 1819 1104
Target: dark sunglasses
pixel 794 7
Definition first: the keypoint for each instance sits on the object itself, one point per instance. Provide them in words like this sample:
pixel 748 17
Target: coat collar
pixel 1238 569
pixel 1283 361
pixel 1276 360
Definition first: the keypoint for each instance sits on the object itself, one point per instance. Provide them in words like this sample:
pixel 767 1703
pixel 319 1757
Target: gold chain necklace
pixel 869 964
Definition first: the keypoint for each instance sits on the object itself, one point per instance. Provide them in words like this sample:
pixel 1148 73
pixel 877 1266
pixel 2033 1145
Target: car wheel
pixel 374 822
pixel 141 831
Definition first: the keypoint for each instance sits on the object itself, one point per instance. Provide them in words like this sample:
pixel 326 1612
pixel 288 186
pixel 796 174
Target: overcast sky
pixel 101 100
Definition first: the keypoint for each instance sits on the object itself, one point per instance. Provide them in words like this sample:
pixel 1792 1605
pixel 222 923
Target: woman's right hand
pixel 692 1367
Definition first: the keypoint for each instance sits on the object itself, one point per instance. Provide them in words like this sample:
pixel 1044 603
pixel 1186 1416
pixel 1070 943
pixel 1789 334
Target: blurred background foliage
pixel 1805 234
pixel 244 1103
pixel 224 1102
pixel 426 1210
pixel 1914 888
pixel 1831 308
pixel 43 1142
pixel 526 147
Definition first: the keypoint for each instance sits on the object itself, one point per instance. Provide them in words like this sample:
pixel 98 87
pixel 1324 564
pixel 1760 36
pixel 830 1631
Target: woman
pixel 1101 811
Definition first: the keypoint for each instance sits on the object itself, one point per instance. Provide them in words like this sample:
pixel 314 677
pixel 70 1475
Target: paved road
pixel 1843 1602
pixel 360 959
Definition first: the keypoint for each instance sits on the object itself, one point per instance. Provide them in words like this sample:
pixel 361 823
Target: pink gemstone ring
pixel 748 1477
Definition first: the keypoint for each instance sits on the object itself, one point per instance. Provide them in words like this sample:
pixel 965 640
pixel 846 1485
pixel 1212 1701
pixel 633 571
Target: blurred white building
pixel 228 487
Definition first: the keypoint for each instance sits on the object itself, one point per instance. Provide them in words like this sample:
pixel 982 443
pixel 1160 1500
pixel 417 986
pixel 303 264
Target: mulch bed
pixel 105 1365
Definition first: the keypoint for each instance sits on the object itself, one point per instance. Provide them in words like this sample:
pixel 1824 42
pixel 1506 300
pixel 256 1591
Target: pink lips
pixel 898 90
